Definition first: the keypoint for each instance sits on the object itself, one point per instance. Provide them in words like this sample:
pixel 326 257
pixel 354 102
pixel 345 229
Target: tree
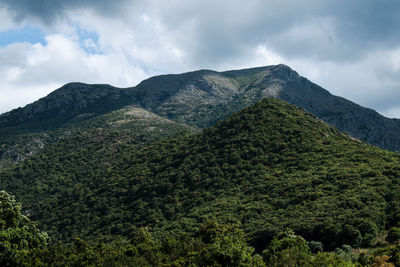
pixel 350 236
pixel 316 246
pixel 227 246
pixel 20 241
pixel 287 249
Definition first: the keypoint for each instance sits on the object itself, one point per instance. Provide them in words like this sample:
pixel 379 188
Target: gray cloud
pixel 348 47
pixel 49 10
pixel 346 29
pixel 214 31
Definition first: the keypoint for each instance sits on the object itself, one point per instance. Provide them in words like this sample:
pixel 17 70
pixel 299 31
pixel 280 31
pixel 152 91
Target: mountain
pixel 202 98
pixel 268 167
pixel 199 98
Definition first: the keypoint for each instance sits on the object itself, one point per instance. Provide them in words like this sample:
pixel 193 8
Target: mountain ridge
pixel 200 99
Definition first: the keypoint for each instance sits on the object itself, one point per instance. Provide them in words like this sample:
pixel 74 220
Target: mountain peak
pixel 285 71
pixel 282 66
pixel 279 118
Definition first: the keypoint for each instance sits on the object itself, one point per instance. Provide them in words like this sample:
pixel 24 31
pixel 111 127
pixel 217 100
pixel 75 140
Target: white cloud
pixel 12 74
pixel 372 81
pixel 29 72
pixel 15 95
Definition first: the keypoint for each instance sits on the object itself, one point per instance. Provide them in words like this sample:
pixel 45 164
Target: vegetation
pixel 269 167
pixel 129 123
pixel 393 235
pixel 110 184
pixel 21 244
pixel 214 244
pixel 20 240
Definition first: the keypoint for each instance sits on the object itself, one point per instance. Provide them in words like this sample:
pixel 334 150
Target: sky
pixel 351 48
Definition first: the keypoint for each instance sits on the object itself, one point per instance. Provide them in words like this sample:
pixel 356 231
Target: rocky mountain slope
pixel 201 98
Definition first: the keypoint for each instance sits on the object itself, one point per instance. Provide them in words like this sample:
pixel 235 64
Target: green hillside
pixel 268 167
pixel 130 122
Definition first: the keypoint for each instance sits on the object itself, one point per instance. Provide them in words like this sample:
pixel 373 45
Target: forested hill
pixel 268 167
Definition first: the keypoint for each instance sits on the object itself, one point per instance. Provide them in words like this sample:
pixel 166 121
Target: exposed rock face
pixel 201 98
pixel 186 97
pixel 214 96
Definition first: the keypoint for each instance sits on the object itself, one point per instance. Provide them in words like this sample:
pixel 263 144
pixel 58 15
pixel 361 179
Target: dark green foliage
pixel 227 246
pixel 269 167
pixel 20 240
pixel 384 255
pixel 288 249
pixel 350 236
pixel 199 98
pixel 72 102
pixel 345 253
pixel 331 260
pixel 316 246
pixel 393 235
pixel 214 245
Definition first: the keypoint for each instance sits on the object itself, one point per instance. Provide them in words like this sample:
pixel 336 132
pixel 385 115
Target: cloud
pixel 327 30
pixel 29 71
pixel 372 81
pixel 6 20
pixel 50 10
pixel 350 48
pixel 213 32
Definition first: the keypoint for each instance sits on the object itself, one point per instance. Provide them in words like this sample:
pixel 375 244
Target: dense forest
pixel 214 244
pixel 266 169
pixel 263 182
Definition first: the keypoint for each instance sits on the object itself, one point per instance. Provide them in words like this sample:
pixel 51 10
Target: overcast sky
pixel 351 48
